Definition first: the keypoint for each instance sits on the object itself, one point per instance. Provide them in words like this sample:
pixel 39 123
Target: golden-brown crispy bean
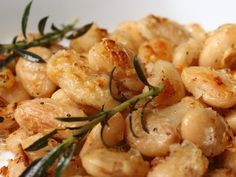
pixel 155 49
pixel 215 87
pixel 163 72
pixel 33 75
pixel 219 50
pixel 206 129
pixel 14 140
pixel 86 41
pixel 79 82
pixel 161 134
pixel 18 165
pixel 128 35
pixel 39 114
pixel 152 26
pixel 185 160
pixel 15 94
pixel 224 172
pixel 107 163
pixel 106 55
pixel 187 53
pixel 7 123
pixel 7 78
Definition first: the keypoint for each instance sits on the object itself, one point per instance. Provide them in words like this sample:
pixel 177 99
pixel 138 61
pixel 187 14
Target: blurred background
pixel 109 13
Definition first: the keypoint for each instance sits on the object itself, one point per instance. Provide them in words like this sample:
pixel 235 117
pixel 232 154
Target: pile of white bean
pixel 191 124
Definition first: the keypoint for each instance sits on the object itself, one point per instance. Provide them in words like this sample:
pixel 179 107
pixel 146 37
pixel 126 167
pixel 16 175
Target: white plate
pixel 109 13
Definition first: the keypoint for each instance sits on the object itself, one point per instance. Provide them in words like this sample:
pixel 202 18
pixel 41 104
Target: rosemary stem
pixel 41 41
pixel 90 125
pixel 69 140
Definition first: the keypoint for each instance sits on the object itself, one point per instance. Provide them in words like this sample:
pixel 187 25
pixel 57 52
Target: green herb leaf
pixel 29 56
pixel 8 60
pixel 25 18
pixel 143 121
pixel 39 168
pixel 64 160
pixel 54 28
pixel 14 40
pixel 120 99
pixel 42 24
pixel 41 142
pixel 139 71
pixel 74 128
pixel 79 32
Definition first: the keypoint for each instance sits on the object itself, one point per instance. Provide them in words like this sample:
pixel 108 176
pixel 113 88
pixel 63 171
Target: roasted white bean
pixel 152 26
pixel 161 134
pixel 39 114
pixel 219 50
pixel 156 49
pixel 33 75
pixel 82 84
pixel 85 42
pixel 185 160
pixel 106 163
pixel 163 72
pixel 214 87
pixel 106 55
pixel 206 129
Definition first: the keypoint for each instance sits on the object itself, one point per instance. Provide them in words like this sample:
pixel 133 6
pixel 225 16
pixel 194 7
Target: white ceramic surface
pixel 109 13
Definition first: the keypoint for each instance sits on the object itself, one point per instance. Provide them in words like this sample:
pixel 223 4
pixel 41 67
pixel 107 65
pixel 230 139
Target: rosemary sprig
pixel 39 168
pixel 16 48
pixel 46 39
